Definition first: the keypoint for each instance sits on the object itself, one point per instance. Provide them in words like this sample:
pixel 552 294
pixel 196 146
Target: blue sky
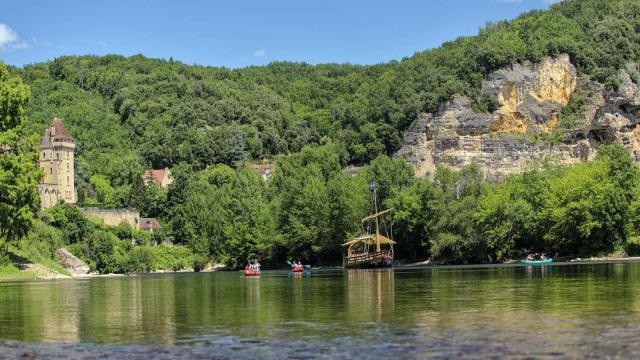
pixel 238 33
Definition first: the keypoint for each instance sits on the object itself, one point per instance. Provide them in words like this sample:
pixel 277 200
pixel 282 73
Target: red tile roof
pixel 156 175
pixel 263 168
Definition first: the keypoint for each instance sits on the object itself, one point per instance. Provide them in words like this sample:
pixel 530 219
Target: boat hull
pixel 536 262
pixel 251 273
pixel 382 259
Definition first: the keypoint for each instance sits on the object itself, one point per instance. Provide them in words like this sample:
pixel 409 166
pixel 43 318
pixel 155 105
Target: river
pixel 564 310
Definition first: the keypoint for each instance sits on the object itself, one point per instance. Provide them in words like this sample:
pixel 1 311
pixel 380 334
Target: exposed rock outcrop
pixel 530 98
pixel 71 263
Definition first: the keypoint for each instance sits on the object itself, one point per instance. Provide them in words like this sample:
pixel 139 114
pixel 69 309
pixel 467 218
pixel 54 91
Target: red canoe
pixel 249 272
pixel 297 268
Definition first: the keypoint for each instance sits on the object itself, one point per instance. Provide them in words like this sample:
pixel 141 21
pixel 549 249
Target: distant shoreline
pixel 49 277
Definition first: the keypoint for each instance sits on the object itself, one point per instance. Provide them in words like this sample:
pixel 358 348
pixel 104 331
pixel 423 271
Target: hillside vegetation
pixel 132 113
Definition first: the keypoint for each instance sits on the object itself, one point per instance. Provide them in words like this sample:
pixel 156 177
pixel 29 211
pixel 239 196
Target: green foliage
pixel 571 113
pixel 74 226
pixel 104 250
pixel 43 241
pixel 390 175
pixel 582 209
pixel 415 213
pixel 198 262
pixel 139 260
pixel 174 258
pixel 18 172
pixel 4 260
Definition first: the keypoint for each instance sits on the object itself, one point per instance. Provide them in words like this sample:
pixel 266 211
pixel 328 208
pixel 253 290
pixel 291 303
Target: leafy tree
pixel 18 173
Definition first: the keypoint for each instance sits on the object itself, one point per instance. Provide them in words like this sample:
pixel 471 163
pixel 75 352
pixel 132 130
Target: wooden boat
pixel 370 250
pixel 251 272
pixel 536 262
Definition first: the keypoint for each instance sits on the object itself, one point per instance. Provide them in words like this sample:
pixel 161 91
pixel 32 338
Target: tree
pixel 18 173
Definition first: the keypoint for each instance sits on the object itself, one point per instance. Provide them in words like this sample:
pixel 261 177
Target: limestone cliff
pixel 529 100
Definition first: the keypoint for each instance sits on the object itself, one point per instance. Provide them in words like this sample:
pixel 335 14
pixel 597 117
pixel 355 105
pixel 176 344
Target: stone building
pixel 56 161
pixel 114 217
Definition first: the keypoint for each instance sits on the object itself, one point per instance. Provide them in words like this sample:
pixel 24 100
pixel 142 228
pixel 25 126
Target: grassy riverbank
pixel 24 265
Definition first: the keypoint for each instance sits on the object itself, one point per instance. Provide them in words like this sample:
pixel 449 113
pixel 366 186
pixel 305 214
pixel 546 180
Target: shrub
pixel 104 251
pixel 199 262
pixel 43 240
pixel 171 257
pixel 138 260
pixel 4 259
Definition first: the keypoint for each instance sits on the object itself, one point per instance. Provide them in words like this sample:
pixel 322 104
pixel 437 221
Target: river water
pixel 558 311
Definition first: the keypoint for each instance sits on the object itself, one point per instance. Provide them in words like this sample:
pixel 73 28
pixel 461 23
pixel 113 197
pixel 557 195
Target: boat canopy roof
pixel 370 240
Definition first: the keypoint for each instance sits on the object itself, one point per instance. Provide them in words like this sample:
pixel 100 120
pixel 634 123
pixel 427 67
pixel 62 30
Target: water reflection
pixel 370 294
pixel 562 307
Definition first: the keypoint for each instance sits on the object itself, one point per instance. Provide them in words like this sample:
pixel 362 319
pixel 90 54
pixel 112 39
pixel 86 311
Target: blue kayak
pixel 536 262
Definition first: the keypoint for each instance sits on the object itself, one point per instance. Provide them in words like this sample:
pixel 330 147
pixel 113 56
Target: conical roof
pixel 60 132
pixel 45 142
pixel 55 132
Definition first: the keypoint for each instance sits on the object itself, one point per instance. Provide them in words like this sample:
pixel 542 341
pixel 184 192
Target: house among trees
pixel 56 156
pixel 352 170
pixel 265 170
pixel 150 224
pixel 161 177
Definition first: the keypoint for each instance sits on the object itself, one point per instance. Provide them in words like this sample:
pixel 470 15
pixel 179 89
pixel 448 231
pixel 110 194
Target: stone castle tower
pixel 56 161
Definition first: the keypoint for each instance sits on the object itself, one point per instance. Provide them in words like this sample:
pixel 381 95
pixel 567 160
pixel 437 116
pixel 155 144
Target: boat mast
pixel 375 205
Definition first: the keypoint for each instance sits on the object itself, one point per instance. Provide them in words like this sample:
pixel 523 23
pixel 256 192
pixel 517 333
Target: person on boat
pixel 530 257
pixel 256 265
pixel 543 257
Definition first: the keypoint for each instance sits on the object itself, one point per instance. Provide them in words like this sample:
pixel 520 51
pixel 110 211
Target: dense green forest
pixel 206 123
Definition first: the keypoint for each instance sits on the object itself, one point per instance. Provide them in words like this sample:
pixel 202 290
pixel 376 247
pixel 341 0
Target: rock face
pixel 71 263
pixel 529 99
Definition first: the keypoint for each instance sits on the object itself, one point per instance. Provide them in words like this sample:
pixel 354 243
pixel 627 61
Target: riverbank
pixel 36 271
pixel 22 267
pixel 516 261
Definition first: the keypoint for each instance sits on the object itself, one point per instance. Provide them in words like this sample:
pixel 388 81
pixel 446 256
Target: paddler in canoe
pixel 252 268
pixel 535 259
pixel 297 266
